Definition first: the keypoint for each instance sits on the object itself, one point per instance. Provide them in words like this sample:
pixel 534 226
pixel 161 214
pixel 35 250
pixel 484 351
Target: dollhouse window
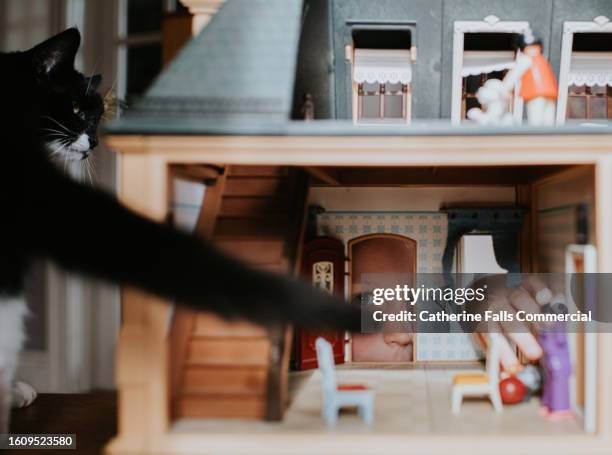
pixel 589 80
pixel 478 67
pixel 140 43
pixel 585 74
pixel 486 56
pixel 382 75
pixel 482 50
pixel 586 102
pixel 382 84
pixel 323 276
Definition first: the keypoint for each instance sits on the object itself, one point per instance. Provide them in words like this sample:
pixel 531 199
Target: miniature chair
pixel 480 384
pixel 336 396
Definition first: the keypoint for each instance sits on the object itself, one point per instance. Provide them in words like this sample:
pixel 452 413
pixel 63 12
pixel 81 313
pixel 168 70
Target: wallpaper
pixel 429 230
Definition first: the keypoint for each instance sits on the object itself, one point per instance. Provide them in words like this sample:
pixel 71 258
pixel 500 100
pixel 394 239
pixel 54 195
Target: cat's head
pixel 68 102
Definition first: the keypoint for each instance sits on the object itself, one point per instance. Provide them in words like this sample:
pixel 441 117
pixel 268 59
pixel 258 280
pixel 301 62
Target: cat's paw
pixel 23 394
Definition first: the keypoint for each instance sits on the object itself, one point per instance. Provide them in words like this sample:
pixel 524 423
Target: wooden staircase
pixel 223 369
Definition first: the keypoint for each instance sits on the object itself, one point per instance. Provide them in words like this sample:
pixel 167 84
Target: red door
pixel 323 266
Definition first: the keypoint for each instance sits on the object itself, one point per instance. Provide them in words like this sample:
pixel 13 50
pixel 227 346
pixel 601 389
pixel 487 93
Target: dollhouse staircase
pixel 226 369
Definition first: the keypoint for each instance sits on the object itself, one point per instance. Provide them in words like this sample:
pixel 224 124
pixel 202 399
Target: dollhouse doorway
pixel 322 265
pixel 384 255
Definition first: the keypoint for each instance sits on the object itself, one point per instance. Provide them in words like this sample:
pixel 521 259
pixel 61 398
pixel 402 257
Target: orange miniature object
pixel 351 387
pixel 539 81
pixel 471 379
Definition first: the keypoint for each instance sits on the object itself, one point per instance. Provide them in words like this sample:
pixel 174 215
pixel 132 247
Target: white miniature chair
pixel 338 396
pixel 480 384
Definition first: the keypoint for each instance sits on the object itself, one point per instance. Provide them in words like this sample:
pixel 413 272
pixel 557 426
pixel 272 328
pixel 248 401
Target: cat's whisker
pixel 83 172
pixel 59 124
pixel 83 169
pixel 93 71
pixel 93 169
pixel 55 133
pixel 58 136
pixel 60 145
pixel 88 167
pixel 53 130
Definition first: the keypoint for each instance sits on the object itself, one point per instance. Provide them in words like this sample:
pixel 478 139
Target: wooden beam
pixel 427 175
pixel 176 31
pixel 211 205
pixel 396 151
pixel 323 174
pixel 198 173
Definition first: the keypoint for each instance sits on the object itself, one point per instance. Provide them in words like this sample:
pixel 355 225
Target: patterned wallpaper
pixel 429 230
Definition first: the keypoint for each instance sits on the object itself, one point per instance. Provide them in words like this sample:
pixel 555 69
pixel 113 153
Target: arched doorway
pixel 377 260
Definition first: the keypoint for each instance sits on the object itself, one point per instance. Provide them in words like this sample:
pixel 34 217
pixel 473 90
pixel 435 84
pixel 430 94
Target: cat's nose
pixel 93 142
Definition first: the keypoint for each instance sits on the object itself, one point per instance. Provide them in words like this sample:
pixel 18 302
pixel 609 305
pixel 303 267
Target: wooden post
pixel 176 31
pixel 203 11
pixel 142 378
pixel 603 216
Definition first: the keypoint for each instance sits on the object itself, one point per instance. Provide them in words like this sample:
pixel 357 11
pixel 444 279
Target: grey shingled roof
pixel 241 66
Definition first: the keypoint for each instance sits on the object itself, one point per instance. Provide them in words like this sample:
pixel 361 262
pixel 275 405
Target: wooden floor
pixel 409 401
pixel 92 417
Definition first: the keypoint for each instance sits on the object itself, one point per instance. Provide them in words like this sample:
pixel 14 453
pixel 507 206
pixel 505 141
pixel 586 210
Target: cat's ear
pixel 93 82
pixel 57 54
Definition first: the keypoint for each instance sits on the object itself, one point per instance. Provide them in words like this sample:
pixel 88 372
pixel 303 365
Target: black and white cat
pixel 49 109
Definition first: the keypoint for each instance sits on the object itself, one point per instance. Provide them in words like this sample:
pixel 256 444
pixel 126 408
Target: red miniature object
pixel 351 387
pixel 512 390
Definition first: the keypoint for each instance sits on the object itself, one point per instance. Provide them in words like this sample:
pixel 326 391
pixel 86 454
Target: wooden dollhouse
pixel 388 176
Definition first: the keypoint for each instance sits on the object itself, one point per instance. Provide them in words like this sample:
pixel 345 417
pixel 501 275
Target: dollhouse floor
pixel 413 400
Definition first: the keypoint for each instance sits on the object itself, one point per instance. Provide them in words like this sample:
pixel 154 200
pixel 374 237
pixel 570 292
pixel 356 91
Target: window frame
pixel 600 24
pixel 588 96
pixel 349 50
pixel 126 40
pixel 382 93
pixel 490 24
pixel 358 98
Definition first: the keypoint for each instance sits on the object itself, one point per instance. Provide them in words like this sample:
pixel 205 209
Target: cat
pixel 50 110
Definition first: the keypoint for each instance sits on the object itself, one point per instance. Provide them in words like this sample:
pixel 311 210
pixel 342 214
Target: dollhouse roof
pixel 241 65
pixel 238 77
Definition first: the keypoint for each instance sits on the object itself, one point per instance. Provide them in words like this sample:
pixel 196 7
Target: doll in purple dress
pixel 557 371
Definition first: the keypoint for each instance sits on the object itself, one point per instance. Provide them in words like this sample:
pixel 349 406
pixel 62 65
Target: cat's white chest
pixel 12 334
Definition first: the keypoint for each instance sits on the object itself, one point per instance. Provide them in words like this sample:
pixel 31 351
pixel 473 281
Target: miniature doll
pixel 308 107
pixel 557 372
pixel 494 101
pixel 538 84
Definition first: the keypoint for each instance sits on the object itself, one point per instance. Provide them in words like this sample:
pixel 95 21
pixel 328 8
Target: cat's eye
pixel 76 108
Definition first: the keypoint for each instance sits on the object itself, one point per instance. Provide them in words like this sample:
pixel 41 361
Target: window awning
pixel 382 66
pixel 591 68
pixel 484 62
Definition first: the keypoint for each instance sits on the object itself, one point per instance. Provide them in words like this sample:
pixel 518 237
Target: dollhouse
pixel 386 174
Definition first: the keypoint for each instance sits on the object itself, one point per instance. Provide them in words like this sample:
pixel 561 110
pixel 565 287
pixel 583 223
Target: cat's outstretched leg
pixel 131 250
pixel 12 314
